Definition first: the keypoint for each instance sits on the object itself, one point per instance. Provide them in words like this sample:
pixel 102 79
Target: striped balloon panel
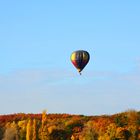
pixel 80 59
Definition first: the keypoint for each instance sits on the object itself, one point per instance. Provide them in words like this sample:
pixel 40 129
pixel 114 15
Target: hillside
pixel 125 125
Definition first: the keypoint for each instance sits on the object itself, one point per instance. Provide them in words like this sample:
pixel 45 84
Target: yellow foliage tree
pixel 28 130
pixel 72 137
pixel 34 129
pixel 11 131
pixel 51 128
pixel 22 124
pixel 22 128
pixel 104 137
pixel 44 129
pixel 111 131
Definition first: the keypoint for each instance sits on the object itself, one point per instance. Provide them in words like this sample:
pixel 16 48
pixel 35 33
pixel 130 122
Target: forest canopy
pixel 125 125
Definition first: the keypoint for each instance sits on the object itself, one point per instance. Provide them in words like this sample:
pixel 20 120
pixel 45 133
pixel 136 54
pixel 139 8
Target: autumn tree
pixel 58 134
pixel 22 129
pixel 34 130
pixel 29 130
pixel 44 129
pixel 88 132
pixel 11 132
pixel 111 131
pixel 123 133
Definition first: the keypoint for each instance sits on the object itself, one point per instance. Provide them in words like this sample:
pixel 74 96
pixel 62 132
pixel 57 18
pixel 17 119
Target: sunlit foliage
pixel 121 126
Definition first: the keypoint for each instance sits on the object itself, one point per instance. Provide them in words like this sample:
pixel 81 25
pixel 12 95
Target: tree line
pixel 121 126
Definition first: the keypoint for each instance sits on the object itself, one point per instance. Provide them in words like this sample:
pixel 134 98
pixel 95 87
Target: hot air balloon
pixel 80 59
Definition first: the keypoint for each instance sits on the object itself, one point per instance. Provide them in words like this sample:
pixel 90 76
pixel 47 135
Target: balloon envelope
pixel 80 59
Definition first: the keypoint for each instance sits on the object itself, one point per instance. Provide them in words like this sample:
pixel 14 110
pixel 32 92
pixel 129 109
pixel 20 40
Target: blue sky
pixel 37 39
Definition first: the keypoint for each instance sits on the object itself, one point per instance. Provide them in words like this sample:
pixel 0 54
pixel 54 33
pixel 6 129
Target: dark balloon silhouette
pixel 80 59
